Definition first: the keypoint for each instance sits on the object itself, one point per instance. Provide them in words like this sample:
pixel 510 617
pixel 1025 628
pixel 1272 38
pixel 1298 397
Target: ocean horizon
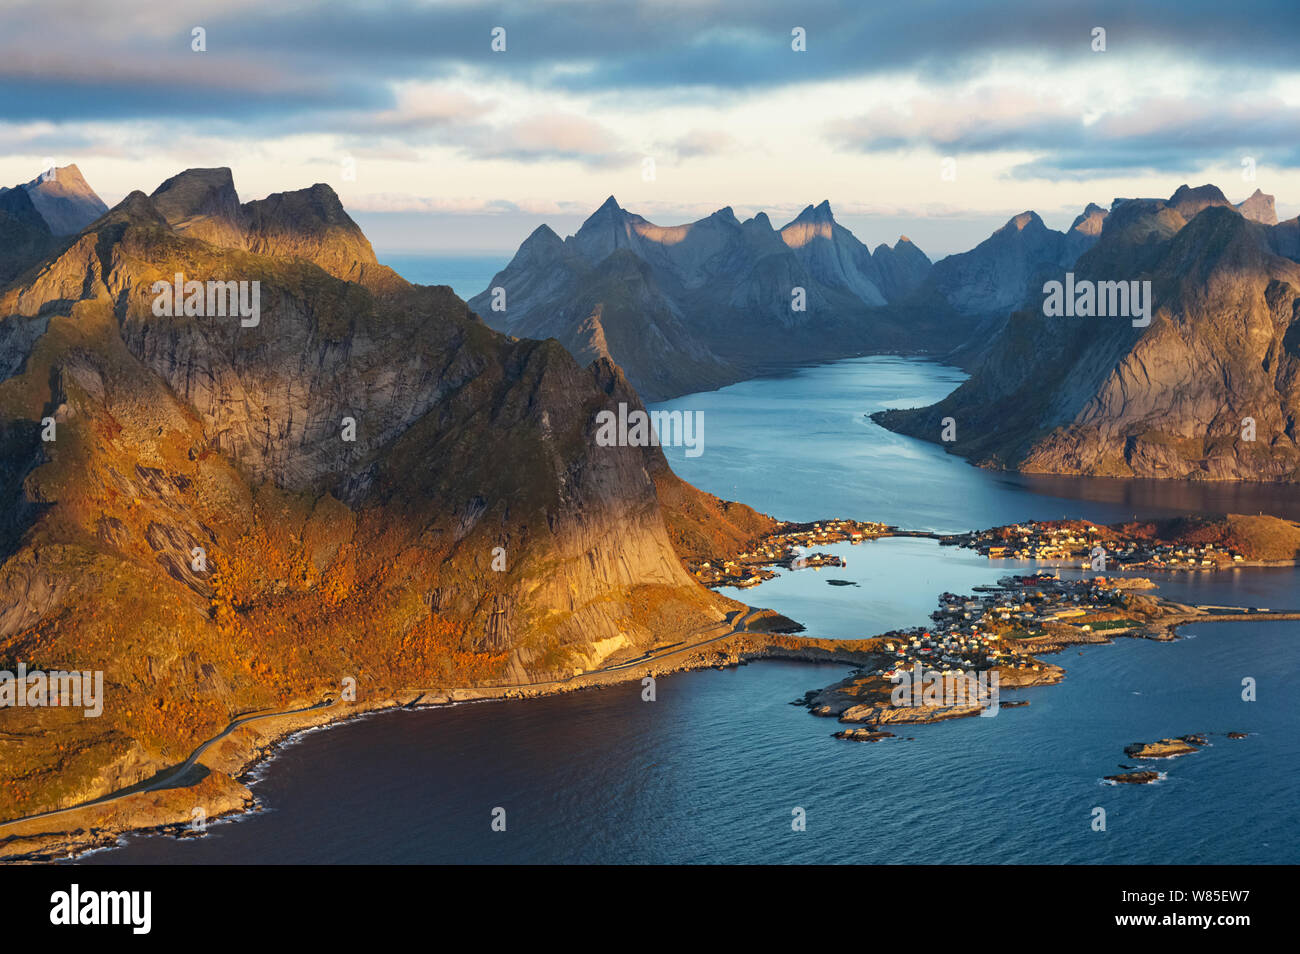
pixel 467 274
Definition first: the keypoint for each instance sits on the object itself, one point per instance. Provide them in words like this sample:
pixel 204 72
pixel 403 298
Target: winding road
pixel 164 779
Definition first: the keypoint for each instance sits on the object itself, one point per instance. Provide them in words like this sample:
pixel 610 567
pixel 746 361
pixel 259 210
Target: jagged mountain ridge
pixel 1097 396
pixel 695 306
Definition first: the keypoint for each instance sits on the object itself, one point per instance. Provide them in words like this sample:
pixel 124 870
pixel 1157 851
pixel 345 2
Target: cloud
pixel 1146 134
pixel 701 142
pixel 422 106
pixel 550 136
pixel 60 59
pixel 388 202
pixel 287 90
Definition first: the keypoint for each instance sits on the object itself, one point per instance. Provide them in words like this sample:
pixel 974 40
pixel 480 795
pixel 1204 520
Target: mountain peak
pixel 213 177
pixel 203 204
pixel 543 233
pixel 137 209
pixel 195 191
pixel 606 230
pixel 901 269
pixel 1023 221
pixel 541 242
pixel 1090 220
pixel 1259 208
pixel 1187 201
pixel 1209 190
pixel 818 214
pixel 308 225
pixel 68 176
pixel 65 200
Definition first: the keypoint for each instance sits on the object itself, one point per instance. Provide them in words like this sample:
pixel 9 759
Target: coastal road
pixel 175 773
pixel 163 780
pixel 738 627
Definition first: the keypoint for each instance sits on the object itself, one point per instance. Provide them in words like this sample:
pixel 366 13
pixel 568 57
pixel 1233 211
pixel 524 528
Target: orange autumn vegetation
pixel 305 628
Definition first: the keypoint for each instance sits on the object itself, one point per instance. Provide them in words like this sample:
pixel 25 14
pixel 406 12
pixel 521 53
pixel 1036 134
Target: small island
pixel 1166 748
pixel 1161 749
pixel 1135 778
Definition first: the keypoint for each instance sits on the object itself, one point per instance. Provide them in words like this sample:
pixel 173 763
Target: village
pixel 996 632
pixel 986 630
pixel 1063 546
pixel 788 547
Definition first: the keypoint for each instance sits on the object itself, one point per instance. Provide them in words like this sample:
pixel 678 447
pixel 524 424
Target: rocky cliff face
pixel 367 482
pixel 1211 389
pixel 696 306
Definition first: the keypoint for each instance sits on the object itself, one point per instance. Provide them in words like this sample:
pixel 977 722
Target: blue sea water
pixel 712 770
pixel 467 274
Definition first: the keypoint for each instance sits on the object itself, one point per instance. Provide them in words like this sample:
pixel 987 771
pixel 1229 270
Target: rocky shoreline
pixel 216 786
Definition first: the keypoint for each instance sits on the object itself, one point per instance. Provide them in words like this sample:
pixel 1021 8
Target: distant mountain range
pixel 692 307
pixel 697 306
pixel 1210 389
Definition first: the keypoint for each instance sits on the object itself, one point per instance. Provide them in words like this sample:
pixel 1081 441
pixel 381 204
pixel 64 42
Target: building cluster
pixel 787 547
pixel 976 632
pixel 825 532
pixel 1043 542
pixel 731 573
pixel 948 652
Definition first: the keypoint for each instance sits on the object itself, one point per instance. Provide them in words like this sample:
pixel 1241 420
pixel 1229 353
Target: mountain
pixel 1188 202
pixel 693 307
pixel 36 216
pixel 1083 233
pixel 1210 389
pixel 999 273
pixel 64 200
pixel 901 269
pixel 309 225
pixel 366 482
pixel 1258 208
pixel 203 204
pixel 832 255
pixel 25 236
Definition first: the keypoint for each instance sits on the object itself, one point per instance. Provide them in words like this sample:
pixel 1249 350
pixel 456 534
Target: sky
pixel 939 120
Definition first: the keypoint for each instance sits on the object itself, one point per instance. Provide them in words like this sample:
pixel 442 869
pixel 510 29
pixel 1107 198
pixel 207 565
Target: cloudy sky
pixel 437 142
